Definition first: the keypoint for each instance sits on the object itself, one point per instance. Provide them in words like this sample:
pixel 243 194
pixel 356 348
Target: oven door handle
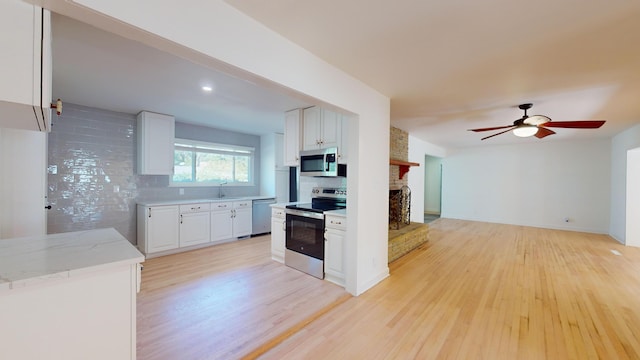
pixel 308 214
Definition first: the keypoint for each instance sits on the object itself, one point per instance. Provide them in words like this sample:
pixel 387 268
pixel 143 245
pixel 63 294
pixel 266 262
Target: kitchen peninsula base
pixel 69 296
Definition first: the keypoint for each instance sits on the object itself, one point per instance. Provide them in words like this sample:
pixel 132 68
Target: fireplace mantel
pixel 404 165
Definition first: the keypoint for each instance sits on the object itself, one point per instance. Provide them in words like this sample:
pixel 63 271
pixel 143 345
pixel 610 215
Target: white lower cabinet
pixel 166 229
pixel 231 219
pixel 278 233
pixel 221 221
pixel 334 248
pixel 242 218
pixel 158 228
pixel 194 224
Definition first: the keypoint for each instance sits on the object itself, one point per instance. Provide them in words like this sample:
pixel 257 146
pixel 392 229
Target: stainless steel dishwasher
pixel 262 216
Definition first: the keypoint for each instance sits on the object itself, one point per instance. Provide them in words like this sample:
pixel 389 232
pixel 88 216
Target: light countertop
pixel 341 212
pixel 199 201
pixel 29 261
pixel 284 205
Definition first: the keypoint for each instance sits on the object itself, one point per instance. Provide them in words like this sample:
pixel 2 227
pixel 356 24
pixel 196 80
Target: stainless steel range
pixel 304 238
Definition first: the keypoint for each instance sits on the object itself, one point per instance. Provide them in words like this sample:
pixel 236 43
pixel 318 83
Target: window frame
pixel 213 148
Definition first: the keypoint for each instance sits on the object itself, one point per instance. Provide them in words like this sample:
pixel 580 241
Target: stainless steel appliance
pixel 261 216
pixel 322 162
pixel 304 239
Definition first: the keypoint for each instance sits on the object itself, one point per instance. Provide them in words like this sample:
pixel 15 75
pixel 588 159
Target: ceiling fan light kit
pixel 538 125
pixel 525 130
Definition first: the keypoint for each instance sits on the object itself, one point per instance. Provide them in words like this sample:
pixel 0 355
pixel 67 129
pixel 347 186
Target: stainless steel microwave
pixel 321 162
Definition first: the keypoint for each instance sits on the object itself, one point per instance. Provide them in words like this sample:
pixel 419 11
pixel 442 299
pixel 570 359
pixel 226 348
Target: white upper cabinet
pixel 311 128
pixel 25 89
pixel 155 143
pixel 292 137
pixel 321 128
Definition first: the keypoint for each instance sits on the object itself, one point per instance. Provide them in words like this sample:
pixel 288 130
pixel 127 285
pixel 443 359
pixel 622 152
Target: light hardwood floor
pixel 224 301
pixel 489 291
pixel 474 291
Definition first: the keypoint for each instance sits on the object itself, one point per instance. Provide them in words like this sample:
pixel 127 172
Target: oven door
pixel 305 233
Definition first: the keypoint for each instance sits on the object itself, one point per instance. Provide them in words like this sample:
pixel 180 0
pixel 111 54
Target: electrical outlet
pixel 181 191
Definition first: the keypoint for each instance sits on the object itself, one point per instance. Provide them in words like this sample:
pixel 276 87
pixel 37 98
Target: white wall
pixel 215 34
pixel 620 144
pixel 23 166
pixel 532 184
pixel 416 176
pixel 633 198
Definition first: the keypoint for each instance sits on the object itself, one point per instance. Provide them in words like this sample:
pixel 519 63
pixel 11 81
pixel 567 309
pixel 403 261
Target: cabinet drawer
pixel 242 204
pixel 335 222
pixel 277 213
pixel 191 208
pixel 218 206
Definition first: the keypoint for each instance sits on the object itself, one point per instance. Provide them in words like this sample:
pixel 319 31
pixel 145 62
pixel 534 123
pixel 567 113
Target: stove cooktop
pixel 324 199
pixel 317 207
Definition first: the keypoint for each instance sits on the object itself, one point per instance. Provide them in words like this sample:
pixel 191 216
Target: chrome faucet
pixel 220 194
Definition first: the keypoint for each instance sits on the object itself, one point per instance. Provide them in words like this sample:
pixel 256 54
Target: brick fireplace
pixel 404 236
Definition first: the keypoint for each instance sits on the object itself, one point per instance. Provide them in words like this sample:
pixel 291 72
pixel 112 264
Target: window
pixel 208 164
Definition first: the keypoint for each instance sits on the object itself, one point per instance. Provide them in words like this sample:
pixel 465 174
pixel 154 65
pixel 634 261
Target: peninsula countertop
pixel 32 260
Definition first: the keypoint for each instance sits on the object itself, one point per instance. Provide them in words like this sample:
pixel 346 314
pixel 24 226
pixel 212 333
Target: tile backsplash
pixel 91 172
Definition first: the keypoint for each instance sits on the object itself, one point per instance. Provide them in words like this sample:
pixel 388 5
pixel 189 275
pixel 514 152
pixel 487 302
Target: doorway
pixel 432 188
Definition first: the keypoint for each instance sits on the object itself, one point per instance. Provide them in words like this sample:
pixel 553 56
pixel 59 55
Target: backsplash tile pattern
pixel 91 173
pixel 91 183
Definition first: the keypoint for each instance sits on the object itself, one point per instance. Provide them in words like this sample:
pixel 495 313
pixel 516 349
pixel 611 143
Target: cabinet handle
pixel 284 225
pixel 149 212
pixel 180 218
pixel 336 222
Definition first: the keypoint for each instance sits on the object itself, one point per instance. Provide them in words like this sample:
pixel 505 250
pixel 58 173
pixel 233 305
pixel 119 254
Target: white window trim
pixel 218 148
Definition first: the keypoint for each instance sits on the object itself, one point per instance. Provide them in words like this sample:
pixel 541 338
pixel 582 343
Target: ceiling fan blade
pixel 580 124
pixel 491 128
pixel 502 132
pixel 543 132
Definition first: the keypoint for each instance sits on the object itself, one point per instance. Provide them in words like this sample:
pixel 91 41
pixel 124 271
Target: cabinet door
pixel 343 147
pixel 291 143
pixel 333 258
pixel 162 229
pixel 330 128
pixel 155 143
pixel 277 239
pixel 311 128
pixel 221 225
pixel 242 222
pixel 279 152
pixel 25 84
pixel 194 228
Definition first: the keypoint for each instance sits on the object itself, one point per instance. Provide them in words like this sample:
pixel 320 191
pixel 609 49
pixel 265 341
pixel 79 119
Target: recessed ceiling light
pixel 207 89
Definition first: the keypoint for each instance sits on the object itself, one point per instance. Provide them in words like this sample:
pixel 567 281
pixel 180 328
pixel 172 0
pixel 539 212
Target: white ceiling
pixel 98 69
pixel 447 66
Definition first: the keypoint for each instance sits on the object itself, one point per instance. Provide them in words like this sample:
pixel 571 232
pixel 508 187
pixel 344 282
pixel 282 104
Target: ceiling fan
pixel 538 125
